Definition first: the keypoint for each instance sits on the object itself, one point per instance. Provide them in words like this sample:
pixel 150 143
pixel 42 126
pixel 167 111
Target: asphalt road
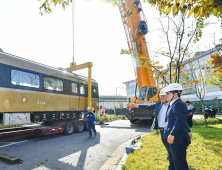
pixel 72 152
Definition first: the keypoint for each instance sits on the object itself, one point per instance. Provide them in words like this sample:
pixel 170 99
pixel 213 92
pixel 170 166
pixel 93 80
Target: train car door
pixel 74 94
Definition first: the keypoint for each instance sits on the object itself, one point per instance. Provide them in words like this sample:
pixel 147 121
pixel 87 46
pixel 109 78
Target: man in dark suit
pixel 160 113
pixel 160 117
pixel 213 112
pixel 176 132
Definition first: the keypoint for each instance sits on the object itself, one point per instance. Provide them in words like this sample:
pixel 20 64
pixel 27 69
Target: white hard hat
pixel 88 108
pixel 163 92
pixel 174 87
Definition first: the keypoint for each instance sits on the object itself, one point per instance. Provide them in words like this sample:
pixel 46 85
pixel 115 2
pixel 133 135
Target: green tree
pixel 200 8
pixel 195 78
pixel 216 102
pixel 46 5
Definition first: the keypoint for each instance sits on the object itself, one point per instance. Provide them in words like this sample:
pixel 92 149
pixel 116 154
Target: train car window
pixel 82 89
pixel 74 88
pixel 53 84
pixel 22 78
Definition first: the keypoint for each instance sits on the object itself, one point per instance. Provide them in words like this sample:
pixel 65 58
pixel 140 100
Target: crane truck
pixel 135 26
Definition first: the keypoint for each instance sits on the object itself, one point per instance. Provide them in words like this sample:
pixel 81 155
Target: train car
pixel 47 93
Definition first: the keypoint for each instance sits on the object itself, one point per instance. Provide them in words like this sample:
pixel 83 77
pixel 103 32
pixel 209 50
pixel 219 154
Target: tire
pixel 79 126
pixel 69 128
pixel 86 126
pixel 133 121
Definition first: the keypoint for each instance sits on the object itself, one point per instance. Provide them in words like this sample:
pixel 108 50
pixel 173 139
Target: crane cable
pixel 73 7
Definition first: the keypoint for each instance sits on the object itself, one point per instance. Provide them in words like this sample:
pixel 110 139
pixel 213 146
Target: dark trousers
pixel 212 115
pixel 170 158
pixel 161 133
pixel 91 125
pixel 178 153
pixel 190 121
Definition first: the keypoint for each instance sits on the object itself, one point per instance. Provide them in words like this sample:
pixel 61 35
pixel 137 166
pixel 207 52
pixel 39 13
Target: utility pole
pixel 116 94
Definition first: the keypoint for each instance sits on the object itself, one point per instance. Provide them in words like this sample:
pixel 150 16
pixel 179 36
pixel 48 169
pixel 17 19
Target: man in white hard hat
pixel 160 113
pixel 175 132
pixel 91 120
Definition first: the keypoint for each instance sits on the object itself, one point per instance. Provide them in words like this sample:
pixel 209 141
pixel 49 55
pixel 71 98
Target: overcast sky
pixel 99 37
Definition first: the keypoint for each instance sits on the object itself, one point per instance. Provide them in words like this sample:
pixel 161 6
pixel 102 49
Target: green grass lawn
pixel 204 153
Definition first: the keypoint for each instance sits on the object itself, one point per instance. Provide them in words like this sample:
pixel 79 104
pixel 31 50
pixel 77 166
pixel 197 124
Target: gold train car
pixel 45 92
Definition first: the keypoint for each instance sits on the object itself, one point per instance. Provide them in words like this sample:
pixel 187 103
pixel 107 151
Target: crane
pixel 135 26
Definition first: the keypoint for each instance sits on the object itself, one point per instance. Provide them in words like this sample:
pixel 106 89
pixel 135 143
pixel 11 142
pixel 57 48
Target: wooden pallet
pixel 9 158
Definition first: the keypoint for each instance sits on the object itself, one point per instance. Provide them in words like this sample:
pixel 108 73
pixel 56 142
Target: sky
pixel 99 36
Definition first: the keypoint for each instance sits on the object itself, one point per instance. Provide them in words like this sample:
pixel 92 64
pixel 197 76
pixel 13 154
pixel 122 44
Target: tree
pixel 216 102
pixel 46 5
pixel 200 8
pixel 215 75
pixel 178 37
pixel 121 104
pixel 195 78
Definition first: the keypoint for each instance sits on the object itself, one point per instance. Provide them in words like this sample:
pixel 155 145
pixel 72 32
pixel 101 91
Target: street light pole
pixel 116 94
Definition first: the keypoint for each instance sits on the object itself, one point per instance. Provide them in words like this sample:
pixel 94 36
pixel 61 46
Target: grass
pixel 210 121
pixel 205 151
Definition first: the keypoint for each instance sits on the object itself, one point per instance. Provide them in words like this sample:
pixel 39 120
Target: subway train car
pixel 47 93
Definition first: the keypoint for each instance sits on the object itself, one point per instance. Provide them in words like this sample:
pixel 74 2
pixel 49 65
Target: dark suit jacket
pixel 176 124
pixel 157 108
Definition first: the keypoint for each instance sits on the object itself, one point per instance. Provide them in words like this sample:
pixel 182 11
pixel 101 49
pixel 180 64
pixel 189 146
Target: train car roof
pixel 38 67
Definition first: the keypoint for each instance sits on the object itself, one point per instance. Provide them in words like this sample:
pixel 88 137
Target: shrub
pixel 210 121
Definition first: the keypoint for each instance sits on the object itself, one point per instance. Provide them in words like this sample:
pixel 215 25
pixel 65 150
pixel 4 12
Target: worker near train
pixel 91 120
pixel 175 131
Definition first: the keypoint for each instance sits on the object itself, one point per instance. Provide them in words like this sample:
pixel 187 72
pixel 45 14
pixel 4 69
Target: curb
pixel 118 157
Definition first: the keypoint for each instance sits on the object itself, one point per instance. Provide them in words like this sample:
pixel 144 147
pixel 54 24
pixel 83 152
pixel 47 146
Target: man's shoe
pixel 90 137
pixel 95 134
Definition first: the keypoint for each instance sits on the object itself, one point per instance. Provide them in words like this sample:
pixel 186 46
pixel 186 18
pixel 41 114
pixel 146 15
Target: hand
pixel 170 139
pixel 190 134
pixel 134 106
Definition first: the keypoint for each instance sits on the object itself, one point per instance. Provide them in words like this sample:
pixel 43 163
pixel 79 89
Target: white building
pixel 190 94
pixel 108 102
pixel 131 88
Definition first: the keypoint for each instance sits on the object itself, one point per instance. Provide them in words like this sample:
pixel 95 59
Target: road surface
pixel 72 152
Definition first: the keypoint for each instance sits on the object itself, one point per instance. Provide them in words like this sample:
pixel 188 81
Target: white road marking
pixel 13 143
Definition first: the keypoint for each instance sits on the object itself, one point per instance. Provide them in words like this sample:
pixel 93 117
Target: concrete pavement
pixel 72 152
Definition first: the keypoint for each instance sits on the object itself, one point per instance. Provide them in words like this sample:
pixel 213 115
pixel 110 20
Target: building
pixel 108 102
pixel 189 94
pixel 131 87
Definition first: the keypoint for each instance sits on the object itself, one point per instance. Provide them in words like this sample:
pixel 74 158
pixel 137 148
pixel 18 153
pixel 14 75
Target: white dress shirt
pixel 162 115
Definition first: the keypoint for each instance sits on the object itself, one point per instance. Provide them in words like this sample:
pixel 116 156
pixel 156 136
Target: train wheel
pixel 69 128
pixel 79 126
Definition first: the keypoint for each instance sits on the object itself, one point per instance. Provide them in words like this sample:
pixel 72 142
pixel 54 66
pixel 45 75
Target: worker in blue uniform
pixel 91 120
pixel 176 132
